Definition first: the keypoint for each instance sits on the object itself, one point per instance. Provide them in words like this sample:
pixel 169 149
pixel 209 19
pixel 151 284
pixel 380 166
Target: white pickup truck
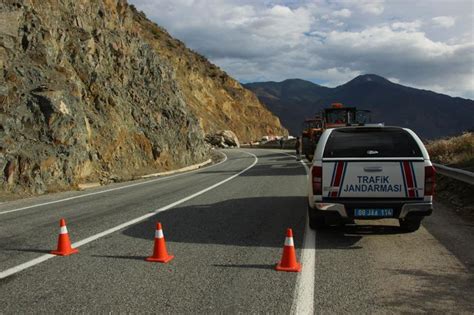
pixel 370 173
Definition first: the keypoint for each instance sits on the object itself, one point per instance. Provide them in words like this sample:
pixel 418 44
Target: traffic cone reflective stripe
pixel 159 233
pixel 160 254
pixel 288 260
pixel 64 243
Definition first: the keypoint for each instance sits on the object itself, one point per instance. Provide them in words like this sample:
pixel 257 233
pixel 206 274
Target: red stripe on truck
pixel 409 178
pixel 337 179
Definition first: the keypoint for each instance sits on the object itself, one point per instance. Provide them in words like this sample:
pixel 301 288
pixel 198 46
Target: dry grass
pixel 457 151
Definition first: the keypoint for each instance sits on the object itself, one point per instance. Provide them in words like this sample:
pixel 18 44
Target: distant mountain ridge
pixel 429 114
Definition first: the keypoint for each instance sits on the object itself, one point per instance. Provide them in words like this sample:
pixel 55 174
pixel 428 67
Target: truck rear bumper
pixel 346 210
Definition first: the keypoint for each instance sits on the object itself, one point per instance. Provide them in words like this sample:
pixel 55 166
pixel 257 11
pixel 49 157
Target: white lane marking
pixel 40 259
pixel 303 302
pixel 112 189
pixel 25 265
pixel 301 161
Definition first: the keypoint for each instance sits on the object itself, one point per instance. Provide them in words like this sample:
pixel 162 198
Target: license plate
pixel 380 212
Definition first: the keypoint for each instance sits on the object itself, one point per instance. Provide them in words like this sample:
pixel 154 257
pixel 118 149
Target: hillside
pixel 219 101
pixel 92 90
pixel 430 114
pixel 456 151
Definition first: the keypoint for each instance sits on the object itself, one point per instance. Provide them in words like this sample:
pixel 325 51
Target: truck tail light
pixel 430 180
pixel 317 179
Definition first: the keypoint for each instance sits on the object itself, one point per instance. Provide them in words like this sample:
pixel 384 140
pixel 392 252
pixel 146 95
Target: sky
pixel 426 44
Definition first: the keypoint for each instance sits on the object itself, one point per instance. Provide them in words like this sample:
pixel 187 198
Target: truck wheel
pixel 410 224
pixel 315 221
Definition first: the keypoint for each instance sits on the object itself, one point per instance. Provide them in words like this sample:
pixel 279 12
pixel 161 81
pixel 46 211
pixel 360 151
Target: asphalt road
pixel 226 226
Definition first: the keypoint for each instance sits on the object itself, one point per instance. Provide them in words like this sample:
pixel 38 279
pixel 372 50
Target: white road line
pixel 112 189
pixel 303 302
pixel 43 258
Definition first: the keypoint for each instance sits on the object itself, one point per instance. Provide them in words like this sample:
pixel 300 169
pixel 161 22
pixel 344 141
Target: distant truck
pixel 312 130
pixel 339 116
pixel 333 117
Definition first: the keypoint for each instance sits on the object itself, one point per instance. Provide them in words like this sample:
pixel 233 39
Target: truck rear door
pixel 372 163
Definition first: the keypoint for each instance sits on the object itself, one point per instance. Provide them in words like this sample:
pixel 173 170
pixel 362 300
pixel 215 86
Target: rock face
pixel 83 97
pixel 93 91
pixel 219 101
pixel 223 139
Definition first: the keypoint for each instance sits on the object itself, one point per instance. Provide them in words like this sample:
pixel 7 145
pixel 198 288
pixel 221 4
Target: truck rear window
pixel 371 142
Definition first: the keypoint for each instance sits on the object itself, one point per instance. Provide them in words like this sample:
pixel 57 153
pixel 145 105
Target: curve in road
pixel 226 242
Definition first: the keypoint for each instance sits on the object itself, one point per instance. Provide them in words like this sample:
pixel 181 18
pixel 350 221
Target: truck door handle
pixel 373 169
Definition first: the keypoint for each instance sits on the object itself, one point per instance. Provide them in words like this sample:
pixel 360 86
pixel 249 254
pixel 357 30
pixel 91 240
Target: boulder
pixel 223 139
pixel 230 138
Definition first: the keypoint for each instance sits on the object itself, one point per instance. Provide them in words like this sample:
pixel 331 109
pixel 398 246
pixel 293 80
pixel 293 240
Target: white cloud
pixel 367 6
pixel 408 56
pixel 444 21
pixel 393 79
pixel 345 13
pixel 280 22
pixel 325 41
pixel 407 26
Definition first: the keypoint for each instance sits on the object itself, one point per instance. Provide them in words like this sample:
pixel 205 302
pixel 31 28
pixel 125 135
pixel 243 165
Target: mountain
pixel 429 114
pixel 94 91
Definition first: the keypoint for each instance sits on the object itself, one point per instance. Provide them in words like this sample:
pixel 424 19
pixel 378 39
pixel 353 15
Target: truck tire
pixel 315 221
pixel 410 224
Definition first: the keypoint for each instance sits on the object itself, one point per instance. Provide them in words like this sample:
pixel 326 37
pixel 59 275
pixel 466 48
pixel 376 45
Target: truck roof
pixel 324 137
pixel 370 126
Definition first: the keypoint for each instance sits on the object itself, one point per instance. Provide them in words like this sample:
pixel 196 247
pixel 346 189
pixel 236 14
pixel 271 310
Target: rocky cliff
pixel 90 90
pixel 219 101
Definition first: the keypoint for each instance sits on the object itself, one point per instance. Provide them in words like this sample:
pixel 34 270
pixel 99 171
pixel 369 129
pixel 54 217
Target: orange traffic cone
pixel 288 260
pixel 64 244
pixel 160 254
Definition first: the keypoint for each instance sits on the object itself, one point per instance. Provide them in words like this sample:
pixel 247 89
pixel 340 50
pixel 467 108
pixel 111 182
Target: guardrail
pixel 462 175
pixel 455 173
